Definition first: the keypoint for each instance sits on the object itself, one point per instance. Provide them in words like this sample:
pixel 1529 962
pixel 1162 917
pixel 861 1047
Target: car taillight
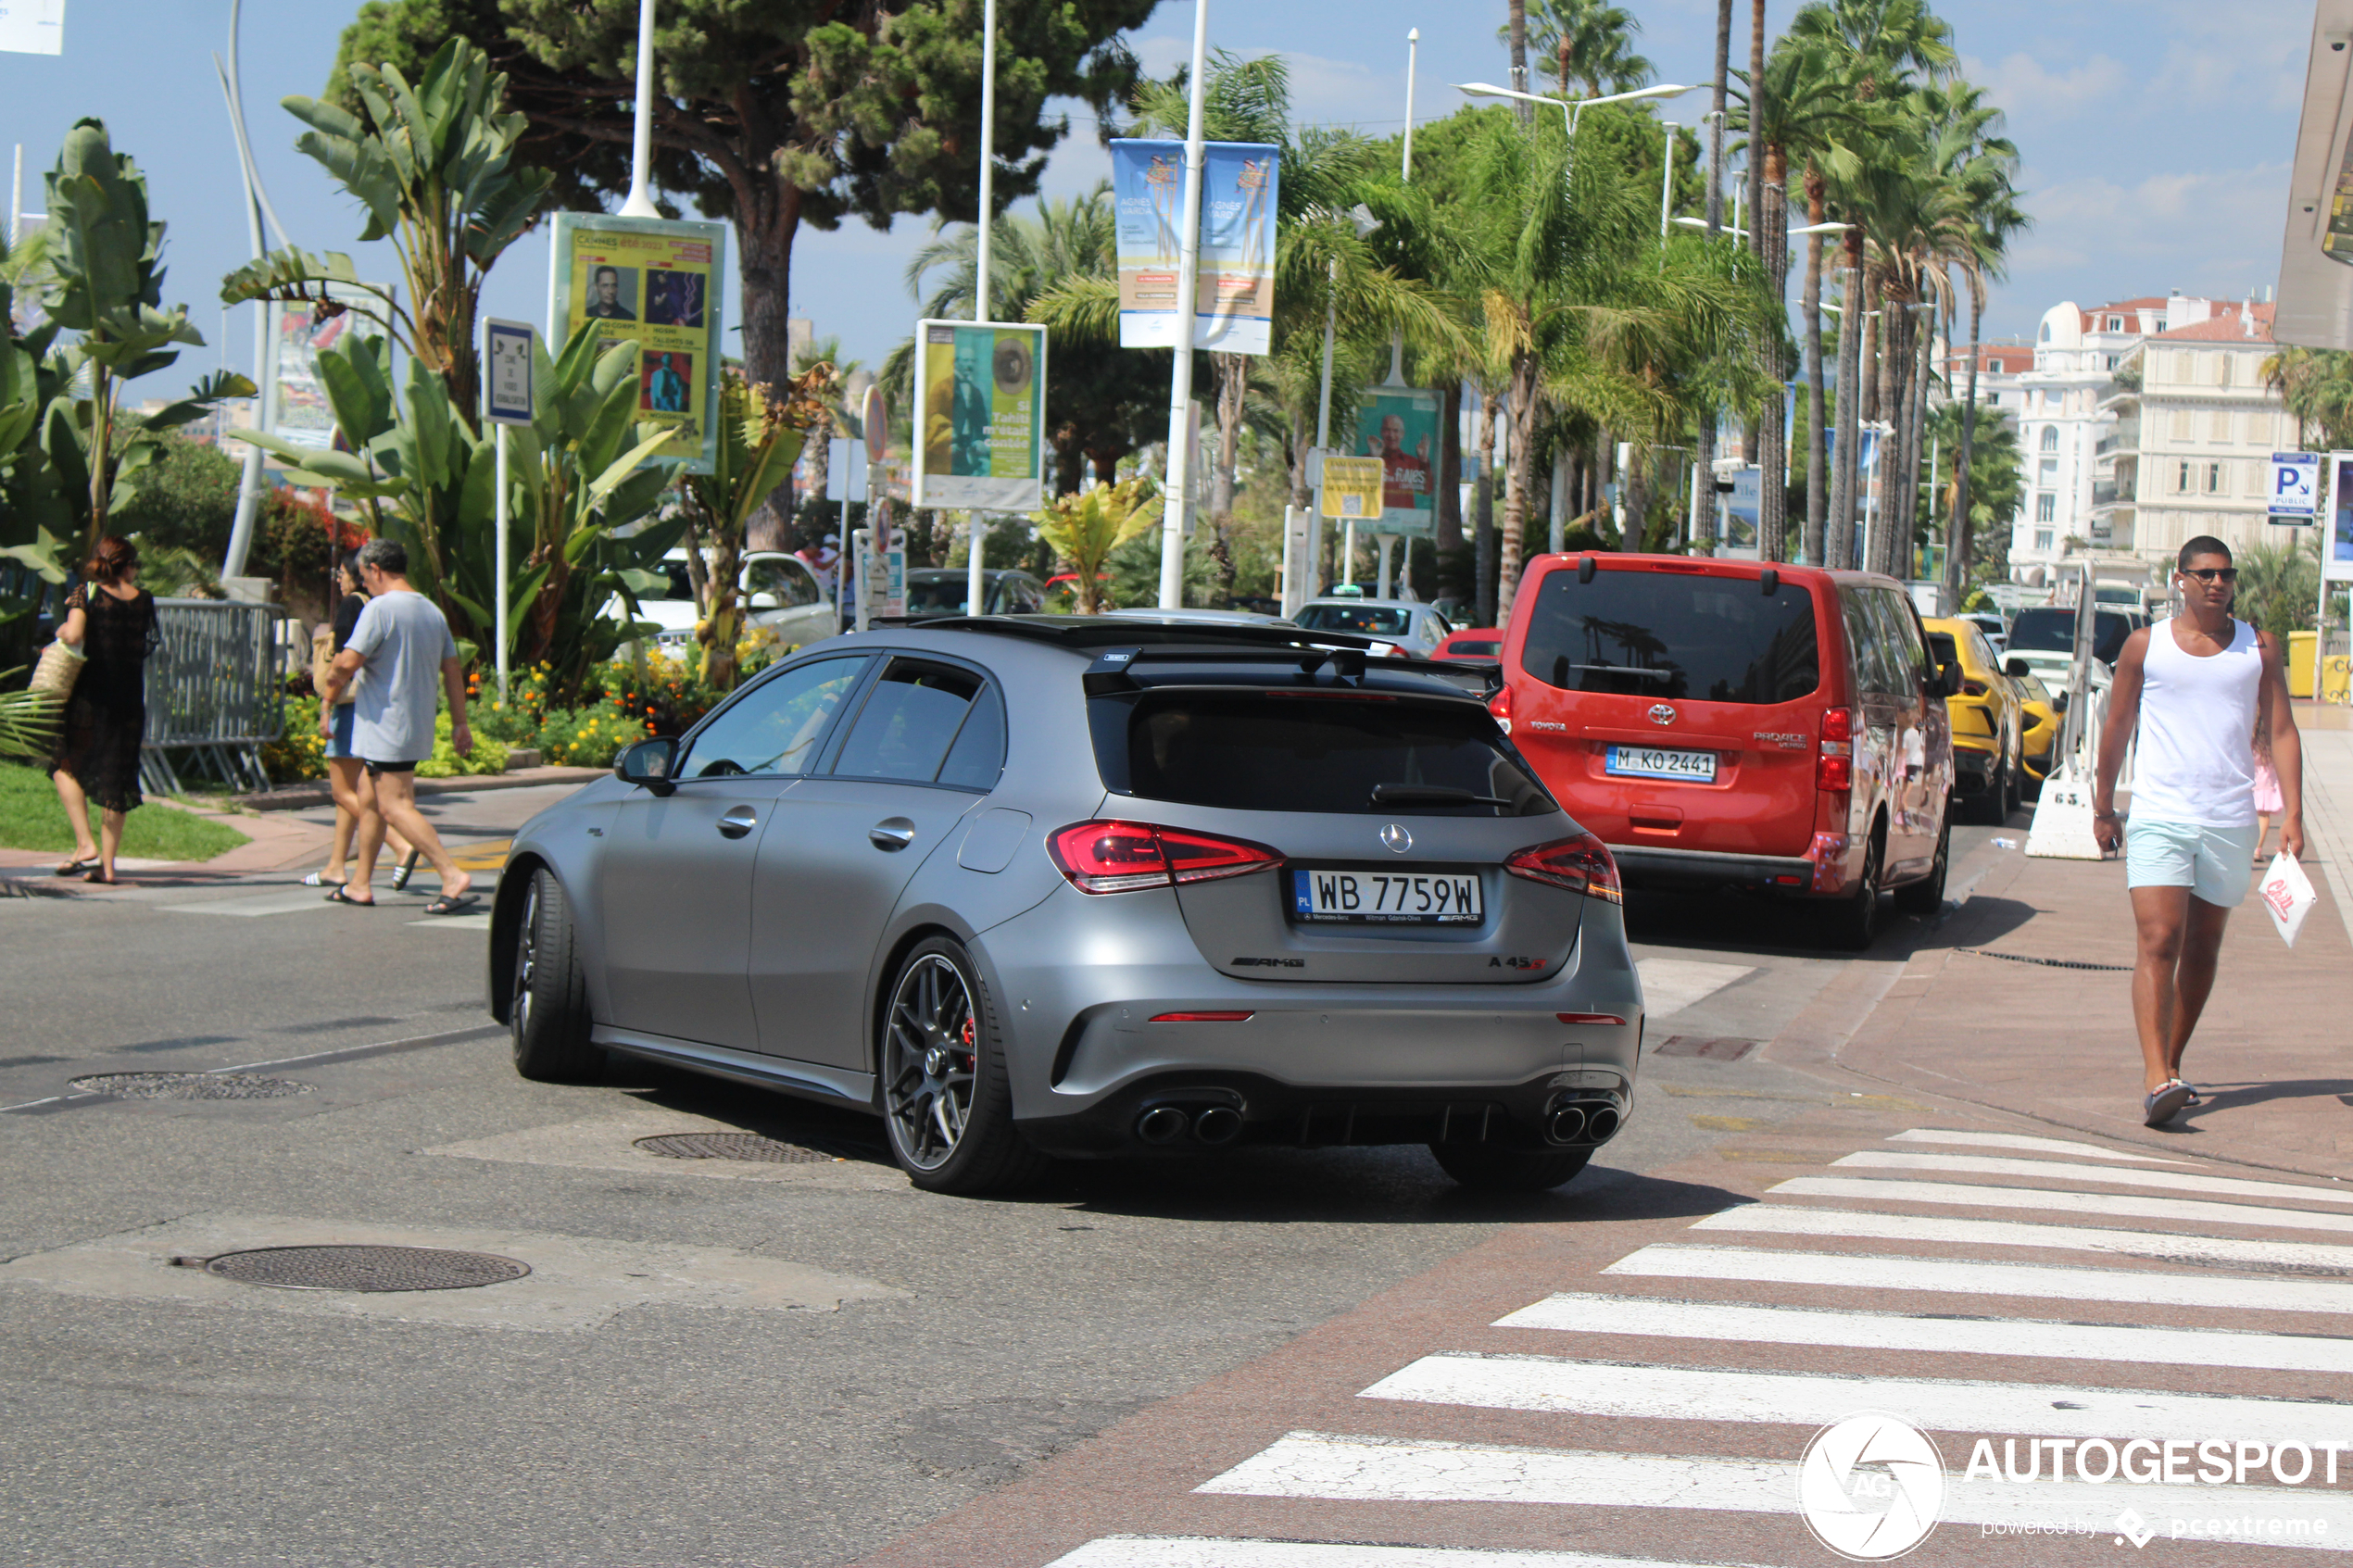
pixel 1835 769
pixel 1500 705
pixel 1581 864
pixel 1113 857
pixel 1972 688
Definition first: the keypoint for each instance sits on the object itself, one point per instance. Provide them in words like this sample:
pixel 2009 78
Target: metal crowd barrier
pixel 216 691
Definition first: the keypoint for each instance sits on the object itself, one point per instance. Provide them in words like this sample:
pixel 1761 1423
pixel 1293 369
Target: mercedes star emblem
pixel 1395 837
pixel 1662 713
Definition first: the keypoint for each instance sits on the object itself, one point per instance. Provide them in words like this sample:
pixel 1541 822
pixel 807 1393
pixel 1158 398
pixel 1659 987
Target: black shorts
pixel 377 769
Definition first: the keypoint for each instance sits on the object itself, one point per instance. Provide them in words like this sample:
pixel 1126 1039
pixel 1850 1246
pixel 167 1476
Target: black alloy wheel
pixel 947 1106
pixel 548 1014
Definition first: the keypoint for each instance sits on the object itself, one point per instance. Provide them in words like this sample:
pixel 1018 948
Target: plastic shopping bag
pixel 2287 892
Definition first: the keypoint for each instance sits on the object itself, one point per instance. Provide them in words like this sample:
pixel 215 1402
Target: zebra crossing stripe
pixel 2058 1171
pixel 1201 1552
pixel 1650 1392
pixel 2230 1252
pixel 2122 1205
pixel 1356 1469
pixel 2020 1140
pixel 1665 1318
pixel 1955 1276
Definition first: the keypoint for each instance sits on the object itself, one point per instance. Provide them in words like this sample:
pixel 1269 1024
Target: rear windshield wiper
pixel 1430 795
pixel 1630 670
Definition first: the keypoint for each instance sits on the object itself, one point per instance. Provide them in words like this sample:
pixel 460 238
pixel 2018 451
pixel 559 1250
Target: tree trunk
pixel 1839 545
pixel 1761 236
pixel 1960 545
pixel 1703 529
pixel 765 235
pixel 1915 444
pixel 1772 477
pixel 1715 125
pixel 1564 62
pixel 1866 313
pixel 1518 13
pixel 1523 472
pixel 1450 467
pixel 1810 549
pixel 1483 510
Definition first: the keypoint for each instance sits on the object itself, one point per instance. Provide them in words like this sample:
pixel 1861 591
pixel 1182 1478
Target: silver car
pixel 1052 885
pixel 1407 625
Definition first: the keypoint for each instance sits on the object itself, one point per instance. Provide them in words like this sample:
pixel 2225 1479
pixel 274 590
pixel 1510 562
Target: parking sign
pixel 2294 492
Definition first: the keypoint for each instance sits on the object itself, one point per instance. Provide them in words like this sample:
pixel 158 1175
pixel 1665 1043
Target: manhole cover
pixel 731 1145
pixel 365 1268
pixel 1710 1048
pixel 191 1085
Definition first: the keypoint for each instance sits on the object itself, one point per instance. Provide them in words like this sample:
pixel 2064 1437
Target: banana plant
pixel 759 441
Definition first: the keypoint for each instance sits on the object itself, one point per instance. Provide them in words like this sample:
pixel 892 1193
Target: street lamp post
pixel 641 139
pixel 978 531
pixel 1180 378
pixel 1413 52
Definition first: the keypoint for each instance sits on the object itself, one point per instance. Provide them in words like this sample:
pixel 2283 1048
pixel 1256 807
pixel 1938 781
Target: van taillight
pixel 1834 768
pixel 1110 857
pixel 1500 705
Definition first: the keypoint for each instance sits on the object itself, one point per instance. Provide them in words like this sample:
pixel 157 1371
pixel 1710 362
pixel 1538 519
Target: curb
pixel 301 797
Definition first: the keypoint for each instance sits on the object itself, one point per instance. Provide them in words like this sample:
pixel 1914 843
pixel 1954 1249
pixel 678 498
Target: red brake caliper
pixel 972 1059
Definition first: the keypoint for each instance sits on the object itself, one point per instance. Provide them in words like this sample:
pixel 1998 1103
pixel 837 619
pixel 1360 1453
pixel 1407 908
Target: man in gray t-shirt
pixel 400 646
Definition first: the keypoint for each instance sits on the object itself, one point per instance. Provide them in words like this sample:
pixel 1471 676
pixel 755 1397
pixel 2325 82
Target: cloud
pixel 2025 90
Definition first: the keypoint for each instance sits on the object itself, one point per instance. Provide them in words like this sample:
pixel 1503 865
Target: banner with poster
pixel 301 413
pixel 981 416
pixel 654 282
pixel 1352 487
pixel 2336 550
pixel 1399 425
pixel 1234 289
pixel 32 27
pixel 1743 506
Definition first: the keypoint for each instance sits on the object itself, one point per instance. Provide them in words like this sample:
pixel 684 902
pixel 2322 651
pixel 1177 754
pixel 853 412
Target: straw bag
pixel 60 666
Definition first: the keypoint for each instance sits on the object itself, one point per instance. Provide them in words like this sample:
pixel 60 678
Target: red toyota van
pixel 1734 724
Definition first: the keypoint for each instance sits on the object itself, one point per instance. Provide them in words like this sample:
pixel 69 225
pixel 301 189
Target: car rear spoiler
pixel 1113 670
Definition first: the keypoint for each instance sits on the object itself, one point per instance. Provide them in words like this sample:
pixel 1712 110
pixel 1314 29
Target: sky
pixel 2155 136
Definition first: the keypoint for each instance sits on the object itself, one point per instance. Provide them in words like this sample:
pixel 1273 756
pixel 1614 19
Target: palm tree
pixel 1590 44
pixel 2317 387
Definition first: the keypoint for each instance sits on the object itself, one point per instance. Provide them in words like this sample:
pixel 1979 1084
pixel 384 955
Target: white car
pixel 1410 626
pixel 781 593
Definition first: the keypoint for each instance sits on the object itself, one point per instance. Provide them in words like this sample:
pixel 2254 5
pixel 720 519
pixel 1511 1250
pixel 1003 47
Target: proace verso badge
pixel 1871 1487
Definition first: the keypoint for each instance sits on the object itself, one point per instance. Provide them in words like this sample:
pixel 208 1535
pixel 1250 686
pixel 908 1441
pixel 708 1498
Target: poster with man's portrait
pixel 1399 425
pixel 652 283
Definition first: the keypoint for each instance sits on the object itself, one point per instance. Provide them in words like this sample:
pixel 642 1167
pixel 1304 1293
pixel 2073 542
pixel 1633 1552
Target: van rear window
pixel 1674 635
pixel 1310 752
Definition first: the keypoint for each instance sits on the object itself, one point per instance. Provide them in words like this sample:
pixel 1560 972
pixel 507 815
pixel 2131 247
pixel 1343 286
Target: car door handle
pixel 737 822
pixel 893 832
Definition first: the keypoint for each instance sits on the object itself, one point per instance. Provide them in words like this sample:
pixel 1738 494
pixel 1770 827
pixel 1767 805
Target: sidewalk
pixel 2056 1044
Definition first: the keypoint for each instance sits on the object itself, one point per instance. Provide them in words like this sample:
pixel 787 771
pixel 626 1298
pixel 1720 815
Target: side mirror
pixel 648 765
pixel 2018 666
pixel 766 601
pixel 1948 679
pixel 2059 702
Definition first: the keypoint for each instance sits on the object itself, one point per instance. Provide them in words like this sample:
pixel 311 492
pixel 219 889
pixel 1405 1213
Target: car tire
pixel 547 1010
pixel 1485 1168
pixel 1926 896
pixel 947 1101
pixel 1850 924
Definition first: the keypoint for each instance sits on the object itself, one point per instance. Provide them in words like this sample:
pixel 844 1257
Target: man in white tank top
pixel 2194 688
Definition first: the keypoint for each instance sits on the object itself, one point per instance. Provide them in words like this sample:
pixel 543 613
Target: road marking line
pixel 2188 1211
pixel 1668 1318
pixel 455 922
pixel 446 1037
pixel 1671 985
pixel 2177 1181
pixel 251 905
pixel 1695 1393
pixel 1199 1551
pixel 2020 1140
pixel 1953 1277
pixel 2230 1252
pixel 1354 1469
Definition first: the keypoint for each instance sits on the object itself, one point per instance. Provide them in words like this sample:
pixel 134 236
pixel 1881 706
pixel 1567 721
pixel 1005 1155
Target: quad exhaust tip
pixel 1212 1125
pixel 1582 1121
pixel 1218 1124
pixel 1161 1125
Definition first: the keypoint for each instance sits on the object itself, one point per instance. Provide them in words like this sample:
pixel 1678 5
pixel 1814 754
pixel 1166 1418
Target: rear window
pixel 2046 630
pixel 1368 620
pixel 1312 753
pixel 1673 635
pixel 940 595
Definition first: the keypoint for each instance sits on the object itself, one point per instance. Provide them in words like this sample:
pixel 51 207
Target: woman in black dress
pixel 113 620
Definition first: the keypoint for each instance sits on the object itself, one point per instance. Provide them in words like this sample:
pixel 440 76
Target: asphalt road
pixel 714 1361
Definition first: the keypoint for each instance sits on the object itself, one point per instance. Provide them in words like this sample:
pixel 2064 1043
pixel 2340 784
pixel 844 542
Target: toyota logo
pixel 1662 713
pixel 1395 837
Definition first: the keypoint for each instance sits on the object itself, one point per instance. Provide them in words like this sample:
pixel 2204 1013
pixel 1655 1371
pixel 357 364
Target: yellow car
pixel 2038 726
pixel 1987 750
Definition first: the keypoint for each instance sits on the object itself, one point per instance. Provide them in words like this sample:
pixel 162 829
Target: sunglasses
pixel 2213 573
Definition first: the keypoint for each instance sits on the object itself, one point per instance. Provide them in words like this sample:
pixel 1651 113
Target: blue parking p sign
pixel 2294 489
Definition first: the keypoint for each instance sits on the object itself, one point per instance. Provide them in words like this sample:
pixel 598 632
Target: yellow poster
pixel 655 283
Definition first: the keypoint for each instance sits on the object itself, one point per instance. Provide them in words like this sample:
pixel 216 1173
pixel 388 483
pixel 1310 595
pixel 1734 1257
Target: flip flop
pixel 446 905
pixel 337 896
pixel 75 868
pixel 2164 1103
pixel 2196 1098
pixel 319 879
pixel 408 869
pixel 101 878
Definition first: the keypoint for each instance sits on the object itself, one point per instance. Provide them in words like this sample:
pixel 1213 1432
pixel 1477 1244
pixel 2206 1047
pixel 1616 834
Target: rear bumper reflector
pixel 1590 1018
pixel 1202 1017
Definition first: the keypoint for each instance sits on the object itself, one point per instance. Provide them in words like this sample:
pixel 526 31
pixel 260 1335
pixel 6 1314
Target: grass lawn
pixel 30 819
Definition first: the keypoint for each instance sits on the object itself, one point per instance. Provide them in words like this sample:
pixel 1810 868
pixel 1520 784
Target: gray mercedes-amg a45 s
pixel 1030 887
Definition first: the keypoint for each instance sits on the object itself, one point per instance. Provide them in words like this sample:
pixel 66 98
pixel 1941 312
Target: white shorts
pixel 2216 865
